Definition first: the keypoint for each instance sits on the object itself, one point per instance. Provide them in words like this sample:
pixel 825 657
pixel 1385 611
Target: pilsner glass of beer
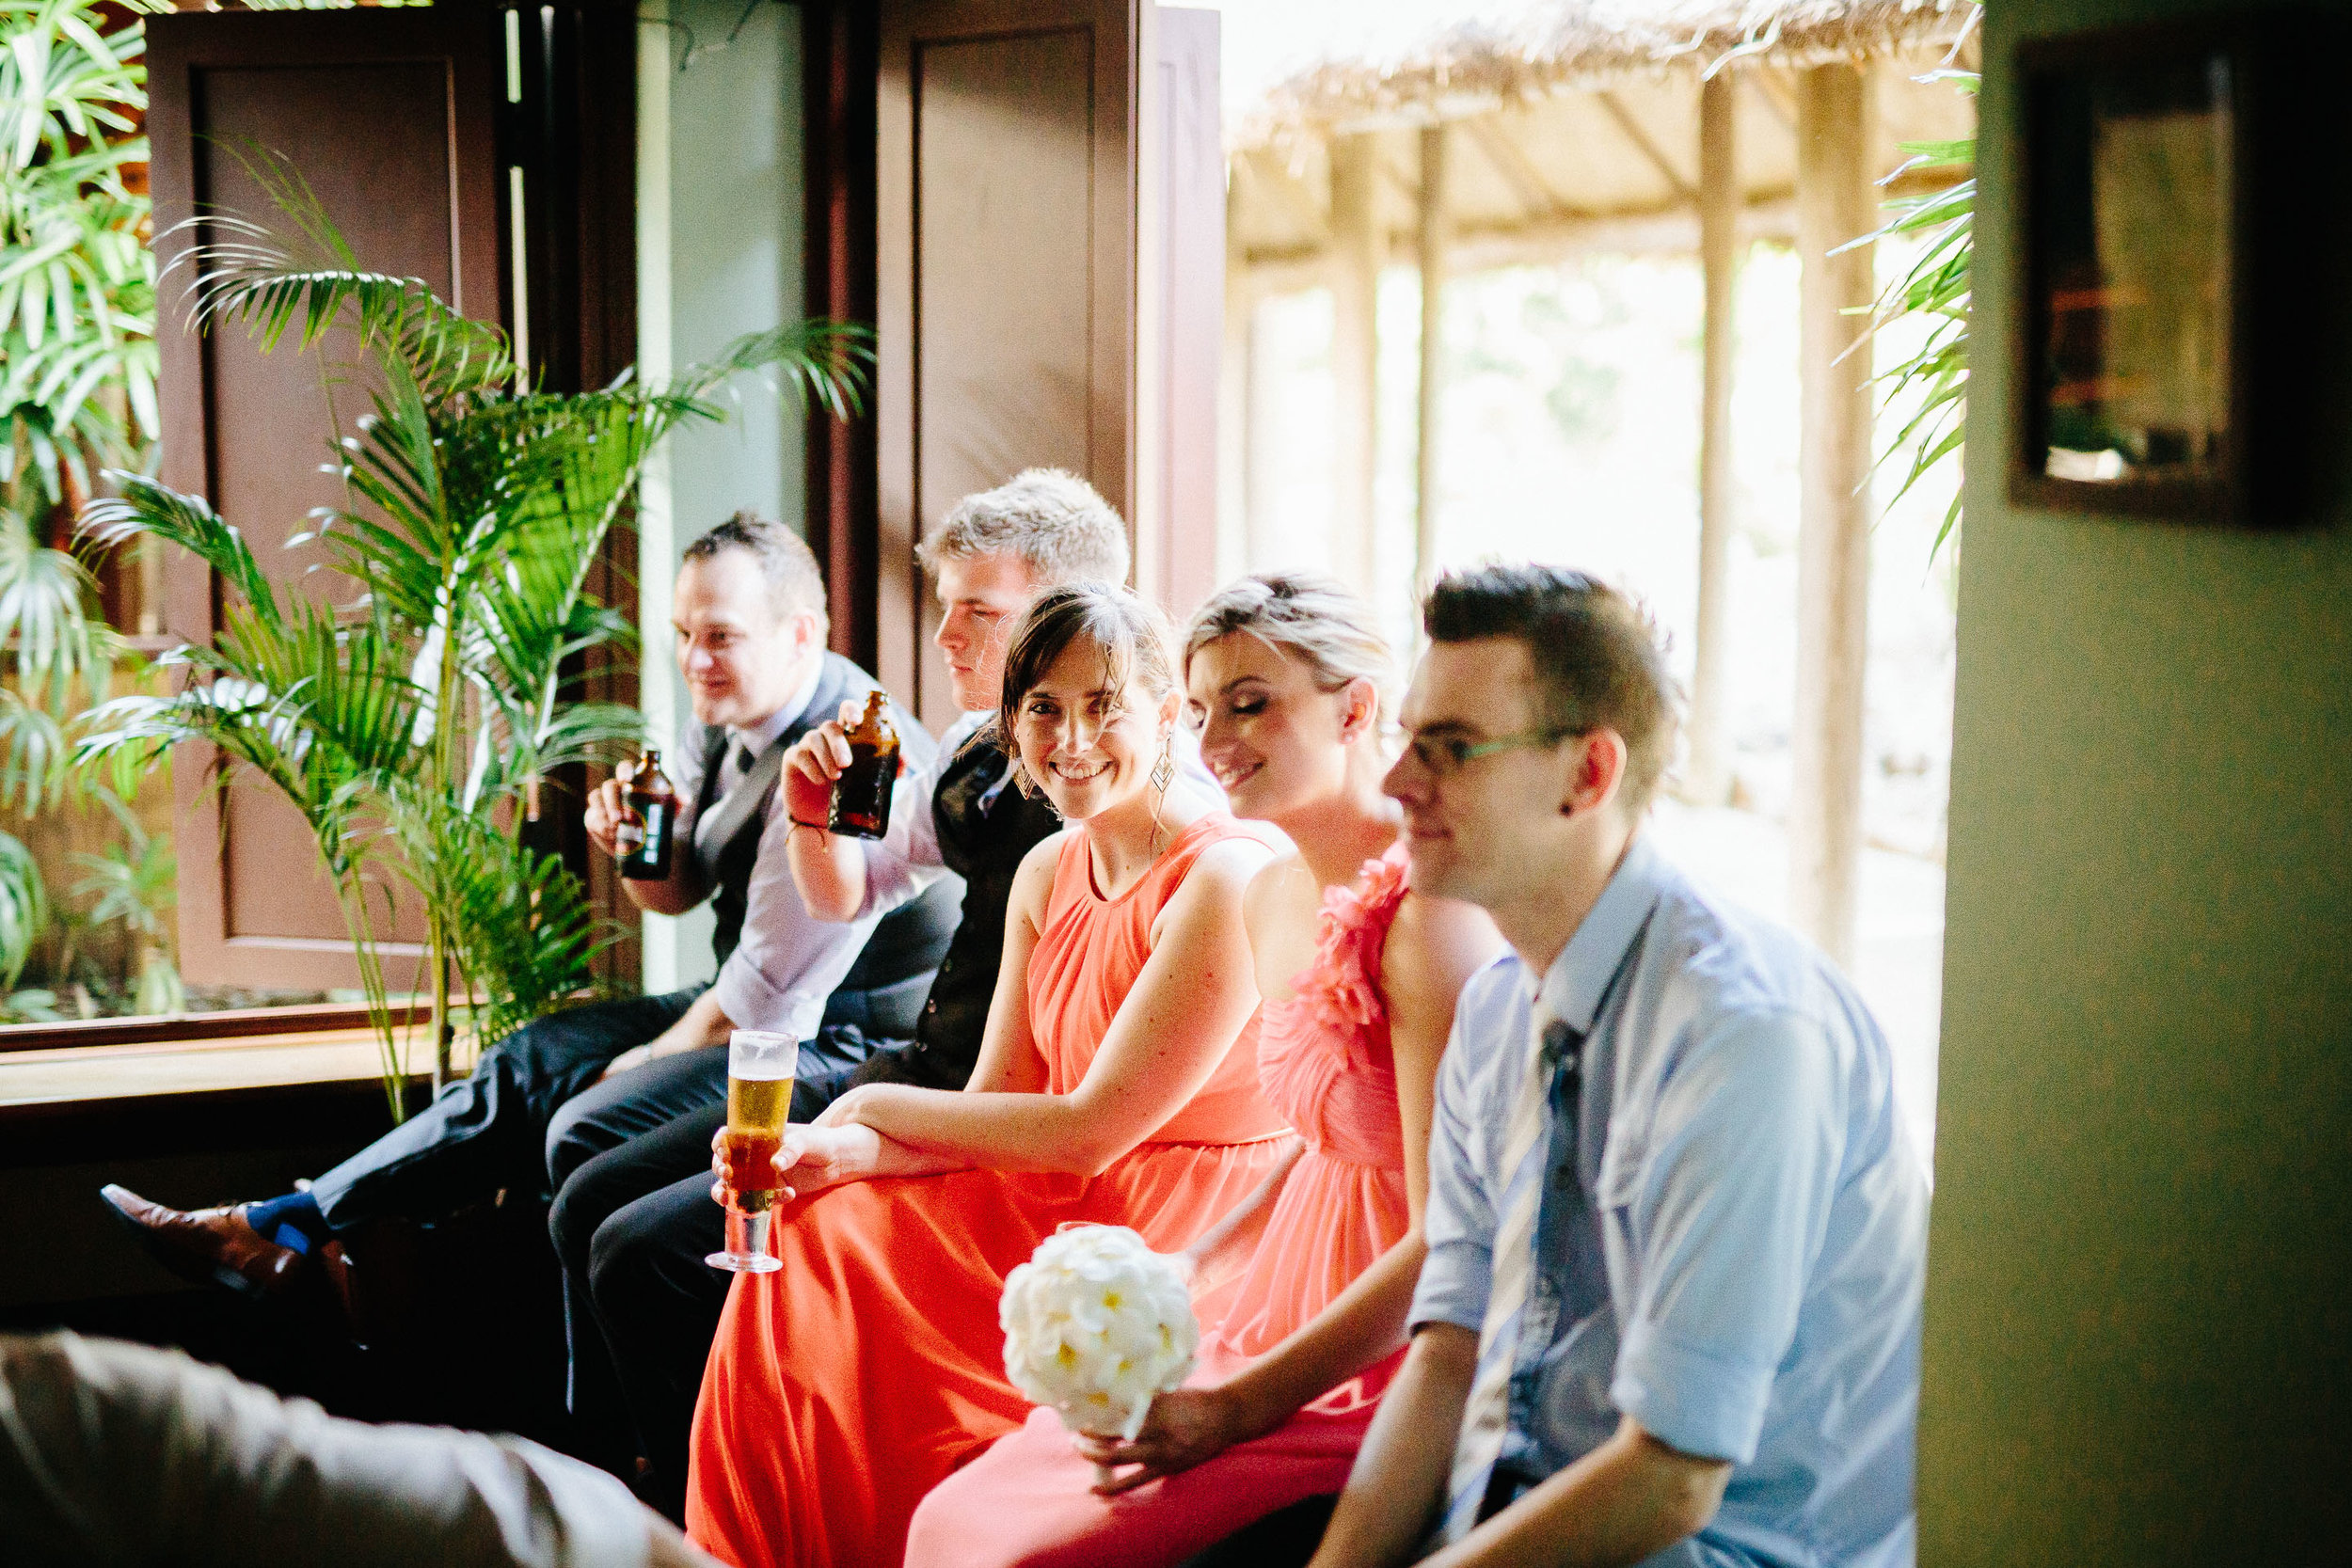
pixel 760 1069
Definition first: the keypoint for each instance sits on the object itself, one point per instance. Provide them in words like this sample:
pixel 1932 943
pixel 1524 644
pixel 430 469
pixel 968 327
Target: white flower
pixel 1096 1326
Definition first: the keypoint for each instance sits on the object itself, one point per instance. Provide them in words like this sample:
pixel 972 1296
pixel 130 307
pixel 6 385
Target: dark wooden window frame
pixel 574 136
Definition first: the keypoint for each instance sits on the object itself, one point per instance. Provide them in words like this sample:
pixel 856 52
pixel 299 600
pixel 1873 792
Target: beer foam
pixel 780 1059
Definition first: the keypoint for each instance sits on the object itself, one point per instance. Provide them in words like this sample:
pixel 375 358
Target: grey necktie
pixel 1551 1049
pixel 739 762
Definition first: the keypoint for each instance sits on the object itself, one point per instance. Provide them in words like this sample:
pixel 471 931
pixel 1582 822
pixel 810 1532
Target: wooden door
pixel 1005 254
pixel 1180 321
pixel 388 114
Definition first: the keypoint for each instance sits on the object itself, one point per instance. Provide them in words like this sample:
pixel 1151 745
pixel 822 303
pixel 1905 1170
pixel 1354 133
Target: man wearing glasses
pixel 1677 1232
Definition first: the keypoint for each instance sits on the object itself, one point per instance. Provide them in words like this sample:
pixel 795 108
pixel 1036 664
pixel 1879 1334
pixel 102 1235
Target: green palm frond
pixel 77 284
pixel 404 726
pixel 23 908
pixel 134 882
pixel 1934 289
pixel 36 756
pixel 318 284
pixel 145 507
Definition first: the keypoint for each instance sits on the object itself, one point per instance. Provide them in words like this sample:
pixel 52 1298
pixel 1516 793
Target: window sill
pixel 189 1028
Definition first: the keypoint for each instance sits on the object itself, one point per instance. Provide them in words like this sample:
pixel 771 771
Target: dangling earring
pixel 1162 774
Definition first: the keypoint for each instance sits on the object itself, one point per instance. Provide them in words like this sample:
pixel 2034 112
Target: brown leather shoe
pixel 209 1244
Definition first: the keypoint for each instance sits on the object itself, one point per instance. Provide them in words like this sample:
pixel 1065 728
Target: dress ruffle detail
pixel 1342 986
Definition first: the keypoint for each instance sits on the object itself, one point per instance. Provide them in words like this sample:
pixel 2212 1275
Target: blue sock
pixel 292 1221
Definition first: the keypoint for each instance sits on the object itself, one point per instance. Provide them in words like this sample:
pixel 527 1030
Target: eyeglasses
pixel 1445 755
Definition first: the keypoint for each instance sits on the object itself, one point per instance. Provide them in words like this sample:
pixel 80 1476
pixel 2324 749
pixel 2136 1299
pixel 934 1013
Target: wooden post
pixel 1432 247
pixel 1708 779
pixel 1833 206
pixel 1235 489
pixel 1355 258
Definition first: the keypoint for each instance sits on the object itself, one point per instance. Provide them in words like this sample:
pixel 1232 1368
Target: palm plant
pixel 134 883
pixel 77 390
pixel 1934 290
pixel 1934 287
pixel 413 726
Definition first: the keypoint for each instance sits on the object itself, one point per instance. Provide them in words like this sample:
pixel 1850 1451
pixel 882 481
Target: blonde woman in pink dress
pixel 1283 676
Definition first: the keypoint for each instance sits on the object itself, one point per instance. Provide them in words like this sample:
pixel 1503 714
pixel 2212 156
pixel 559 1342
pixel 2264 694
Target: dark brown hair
pixel 1597 657
pixel 1130 633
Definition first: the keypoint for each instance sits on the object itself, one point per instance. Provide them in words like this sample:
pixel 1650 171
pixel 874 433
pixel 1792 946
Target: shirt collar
pixel 762 735
pixel 1572 989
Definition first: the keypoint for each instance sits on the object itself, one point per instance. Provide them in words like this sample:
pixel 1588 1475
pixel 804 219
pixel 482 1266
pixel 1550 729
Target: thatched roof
pixel 1518 54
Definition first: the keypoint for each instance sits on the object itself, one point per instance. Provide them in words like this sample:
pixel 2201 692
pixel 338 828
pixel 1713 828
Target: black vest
pixel 983 845
pixel 727 866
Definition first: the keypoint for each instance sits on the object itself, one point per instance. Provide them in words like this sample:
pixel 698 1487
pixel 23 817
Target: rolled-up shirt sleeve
pixel 787 962
pixel 1458 1219
pixel 1729 1200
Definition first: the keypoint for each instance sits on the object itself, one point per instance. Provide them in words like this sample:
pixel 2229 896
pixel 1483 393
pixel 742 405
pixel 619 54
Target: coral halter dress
pixel 1325 1063
pixel 846 1384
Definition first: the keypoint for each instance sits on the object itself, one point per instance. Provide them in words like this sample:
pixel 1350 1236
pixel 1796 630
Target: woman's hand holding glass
pixel 811 1158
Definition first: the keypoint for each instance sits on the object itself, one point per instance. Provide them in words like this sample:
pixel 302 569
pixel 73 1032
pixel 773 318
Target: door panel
pixel 1181 332
pixel 1005 248
pixel 387 114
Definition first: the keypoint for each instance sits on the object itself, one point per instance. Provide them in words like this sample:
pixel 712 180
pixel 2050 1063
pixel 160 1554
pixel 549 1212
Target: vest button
pixel 930 1006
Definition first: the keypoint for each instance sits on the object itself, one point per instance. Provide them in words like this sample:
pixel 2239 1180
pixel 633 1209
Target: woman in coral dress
pixel 1360 978
pixel 1117 1083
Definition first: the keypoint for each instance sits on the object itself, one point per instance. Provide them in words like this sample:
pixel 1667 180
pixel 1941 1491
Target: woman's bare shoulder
pixel 1033 881
pixel 1221 875
pixel 1435 945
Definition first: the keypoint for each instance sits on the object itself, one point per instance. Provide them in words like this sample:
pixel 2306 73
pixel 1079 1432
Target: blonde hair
pixel 1327 628
pixel 1131 633
pixel 1048 517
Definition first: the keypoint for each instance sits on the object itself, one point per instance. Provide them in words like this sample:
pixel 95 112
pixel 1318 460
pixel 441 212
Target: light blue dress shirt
pixel 1732 1236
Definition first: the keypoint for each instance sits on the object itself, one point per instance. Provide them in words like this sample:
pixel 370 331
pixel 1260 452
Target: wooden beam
pixel 1834 205
pixel 1518 171
pixel 1707 780
pixel 1236 451
pixel 1433 263
pixel 1288 190
pixel 1777 98
pixel 1356 255
pixel 1648 149
pixel 1474 247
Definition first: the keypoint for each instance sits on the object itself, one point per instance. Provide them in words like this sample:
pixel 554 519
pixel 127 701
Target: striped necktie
pixel 1486 1414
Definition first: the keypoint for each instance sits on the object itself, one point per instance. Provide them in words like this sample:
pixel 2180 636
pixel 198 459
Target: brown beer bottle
pixel 861 797
pixel 649 822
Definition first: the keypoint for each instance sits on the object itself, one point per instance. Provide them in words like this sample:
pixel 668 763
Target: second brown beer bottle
pixel 861 797
pixel 649 821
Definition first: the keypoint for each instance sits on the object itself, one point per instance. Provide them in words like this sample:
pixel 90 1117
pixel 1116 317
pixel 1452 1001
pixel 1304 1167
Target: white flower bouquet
pixel 1096 1327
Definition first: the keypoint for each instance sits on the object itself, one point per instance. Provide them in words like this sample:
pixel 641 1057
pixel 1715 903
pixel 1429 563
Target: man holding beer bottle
pixel 577 1094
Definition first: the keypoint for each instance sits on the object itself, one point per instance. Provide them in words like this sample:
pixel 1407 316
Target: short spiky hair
pixel 794 582
pixel 1049 518
pixel 1597 656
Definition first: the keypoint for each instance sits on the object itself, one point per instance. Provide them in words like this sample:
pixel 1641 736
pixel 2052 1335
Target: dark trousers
pixel 490 1130
pixel 632 1222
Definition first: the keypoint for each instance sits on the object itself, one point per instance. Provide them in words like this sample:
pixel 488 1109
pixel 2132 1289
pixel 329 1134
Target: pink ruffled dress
pixel 1324 1062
